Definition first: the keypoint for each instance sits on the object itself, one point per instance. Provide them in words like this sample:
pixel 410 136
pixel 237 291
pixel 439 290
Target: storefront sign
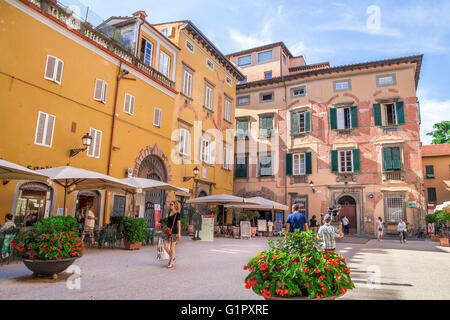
pixel 262 225
pixel 246 229
pixel 157 216
pixel 31 167
pixel 412 204
pixel 130 172
pixel 207 231
pixel 48 203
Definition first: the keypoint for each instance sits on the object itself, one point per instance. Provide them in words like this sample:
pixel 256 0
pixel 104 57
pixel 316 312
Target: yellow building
pixel 61 79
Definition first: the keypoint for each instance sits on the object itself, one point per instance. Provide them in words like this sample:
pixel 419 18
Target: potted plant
pixel 50 247
pixel 442 216
pixel 431 218
pixel 296 268
pixel 134 232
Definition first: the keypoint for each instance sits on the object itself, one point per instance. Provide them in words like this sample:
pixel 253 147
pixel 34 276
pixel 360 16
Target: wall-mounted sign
pixel 37 167
pixel 371 196
pixel 412 204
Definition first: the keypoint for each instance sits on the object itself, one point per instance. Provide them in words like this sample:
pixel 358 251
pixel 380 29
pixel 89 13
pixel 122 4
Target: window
pixel 44 129
pixel 392 158
pixel 157 114
pixel 209 95
pixel 265 126
pixel 128 105
pixel 386 80
pixel 265 165
pixel 146 52
pixel 227 154
pixel 244 61
pixel 188 76
pixel 242 101
pixel 431 194
pixel 266 97
pixel 184 142
pixel 227 113
pixel 242 129
pixel 205 150
pixel 300 122
pixel 94 149
pixel 284 58
pixel 189 46
pixel 264 56
pixel 298 164
pixel 229 81
pixel 298 91
pixel 341 85
pixel 127 38
pixel 166 31
pixel 100 90
pixel 244 80
pixel 267 74
pixel 210 64
pixel 344 118
pixel 429 171
pixel 164 64
pixel 386 114
pixel 394 208
pixel 345 161
pixel 53 69
pixel 241 166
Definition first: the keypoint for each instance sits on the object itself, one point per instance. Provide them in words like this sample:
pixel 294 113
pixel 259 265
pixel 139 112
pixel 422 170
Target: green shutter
pixel 400 112
pixel 354 116
pixel 307 121
pixel 356 160
pixel 334 161
pixel 377 114
pixel 333 119
pixel 387 151
pixel 295 123
pixel 289 164
pixel 396 158
pixel 308 163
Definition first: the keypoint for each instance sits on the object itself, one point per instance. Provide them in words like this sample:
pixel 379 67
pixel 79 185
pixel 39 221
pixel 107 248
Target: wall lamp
pixel 195 171
pixel 311 184
pixel 86 140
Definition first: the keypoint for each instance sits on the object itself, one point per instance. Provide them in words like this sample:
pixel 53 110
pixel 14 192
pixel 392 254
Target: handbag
pixel 161 252
pixel 167 230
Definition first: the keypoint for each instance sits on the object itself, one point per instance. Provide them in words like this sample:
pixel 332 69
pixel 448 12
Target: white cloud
pixel 431 111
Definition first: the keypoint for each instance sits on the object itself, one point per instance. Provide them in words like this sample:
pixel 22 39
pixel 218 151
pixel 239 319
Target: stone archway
pixel 157 153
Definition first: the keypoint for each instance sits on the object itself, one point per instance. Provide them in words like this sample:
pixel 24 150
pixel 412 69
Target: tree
pixel 441 132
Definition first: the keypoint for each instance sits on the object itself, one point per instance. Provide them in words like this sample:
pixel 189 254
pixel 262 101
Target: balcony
pixel 73 22
pixel 394 176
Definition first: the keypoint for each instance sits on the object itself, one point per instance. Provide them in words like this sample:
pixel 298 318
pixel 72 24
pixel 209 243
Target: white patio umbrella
pixel 80 179
pixel 221 199
pixel 10 171
pixel 264 204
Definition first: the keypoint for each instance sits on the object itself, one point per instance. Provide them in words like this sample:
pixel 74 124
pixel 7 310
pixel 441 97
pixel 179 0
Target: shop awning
pixel 150 184
pixel 264 204
pixel 12 171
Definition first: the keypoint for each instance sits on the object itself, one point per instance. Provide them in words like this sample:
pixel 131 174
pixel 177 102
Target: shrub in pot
pixel 298 268
pixel 443 217
pixel 134 232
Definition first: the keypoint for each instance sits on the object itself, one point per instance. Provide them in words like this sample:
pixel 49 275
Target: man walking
pixel 89 224
pixel 329 233
pixel 197 222
pixel 296 220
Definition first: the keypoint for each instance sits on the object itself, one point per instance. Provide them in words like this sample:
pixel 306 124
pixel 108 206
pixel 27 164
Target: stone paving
pixel 213 270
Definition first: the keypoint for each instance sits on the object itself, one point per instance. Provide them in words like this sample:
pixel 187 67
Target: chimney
pixel 141 14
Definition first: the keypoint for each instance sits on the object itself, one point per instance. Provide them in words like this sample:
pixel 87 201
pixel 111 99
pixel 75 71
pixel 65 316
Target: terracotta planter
pixel 444 242
pixel 48 267
pixel 236 232
pixel 132 246
pixel 434 238
pixel 254 229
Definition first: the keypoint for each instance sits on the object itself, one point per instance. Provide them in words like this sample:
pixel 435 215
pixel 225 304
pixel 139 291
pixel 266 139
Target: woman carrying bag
pixel 172 234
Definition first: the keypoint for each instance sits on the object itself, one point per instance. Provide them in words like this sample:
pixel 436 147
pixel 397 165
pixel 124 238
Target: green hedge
pixel 53 225
pixel 134 229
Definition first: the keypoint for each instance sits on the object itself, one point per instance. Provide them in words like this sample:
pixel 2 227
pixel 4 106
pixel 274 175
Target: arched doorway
pixel 348 209
pixel 34 201
pixel 84 200
pixel 152 167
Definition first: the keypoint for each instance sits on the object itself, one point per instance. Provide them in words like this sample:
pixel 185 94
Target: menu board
pixel 207 231
pixel 246 229
pixel 262 225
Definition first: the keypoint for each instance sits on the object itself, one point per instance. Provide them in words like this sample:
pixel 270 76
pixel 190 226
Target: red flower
pixel 322 277
pixel 317 271
pixel 245 267
pixel 324 288
pixel 307 285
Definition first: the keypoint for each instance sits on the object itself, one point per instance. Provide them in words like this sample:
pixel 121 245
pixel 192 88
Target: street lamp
pixel 311 184
pixel 86 141
pixel 195 171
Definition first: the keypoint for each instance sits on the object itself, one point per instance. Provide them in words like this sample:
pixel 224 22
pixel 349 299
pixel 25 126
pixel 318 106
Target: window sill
pixel 346 176
pixel 344 131
pixel 246 178
pixel 237 139
pixel 227 121
pixel 208 109
pixel 190 99
pixel 299 135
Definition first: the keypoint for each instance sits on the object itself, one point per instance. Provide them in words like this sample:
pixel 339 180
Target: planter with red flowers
pixel 296 268
pixel 51 247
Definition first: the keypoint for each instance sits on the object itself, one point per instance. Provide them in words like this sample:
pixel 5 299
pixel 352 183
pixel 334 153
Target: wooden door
pixel 349 211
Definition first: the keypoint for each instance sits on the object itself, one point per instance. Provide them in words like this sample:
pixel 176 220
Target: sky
pixel 340 32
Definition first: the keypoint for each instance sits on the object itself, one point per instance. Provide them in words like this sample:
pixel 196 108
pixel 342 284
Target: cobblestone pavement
pixel 213 270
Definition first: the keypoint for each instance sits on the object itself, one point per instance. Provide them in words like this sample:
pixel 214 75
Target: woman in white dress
pixel 380 229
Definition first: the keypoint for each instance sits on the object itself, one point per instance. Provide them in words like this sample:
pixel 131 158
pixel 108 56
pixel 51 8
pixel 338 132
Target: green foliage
pixel 56 224
pixel 297 267
pixel 441 132
pixel 54 246
pixel 116 220
pixel 184 224
pixel 430 218
pixel 442 216
pixel 134 229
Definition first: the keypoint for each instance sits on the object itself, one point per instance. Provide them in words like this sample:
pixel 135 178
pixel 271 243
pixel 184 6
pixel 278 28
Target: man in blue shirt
pixel 296 220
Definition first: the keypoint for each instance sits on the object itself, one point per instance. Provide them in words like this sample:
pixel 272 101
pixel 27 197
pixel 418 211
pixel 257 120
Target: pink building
pixel 319 135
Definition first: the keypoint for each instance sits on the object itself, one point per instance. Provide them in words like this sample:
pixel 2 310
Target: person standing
pixel 329 233
pixel 380 229
pixel 313 224
pixel 345 224
pixel 296 220
pixel 89 224
pixel 197 222
pixel 174 222
pixel 80 222
pixel 401 228
pixel 9 225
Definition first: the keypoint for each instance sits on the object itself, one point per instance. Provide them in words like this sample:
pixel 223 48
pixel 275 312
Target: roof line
pixel 263 47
